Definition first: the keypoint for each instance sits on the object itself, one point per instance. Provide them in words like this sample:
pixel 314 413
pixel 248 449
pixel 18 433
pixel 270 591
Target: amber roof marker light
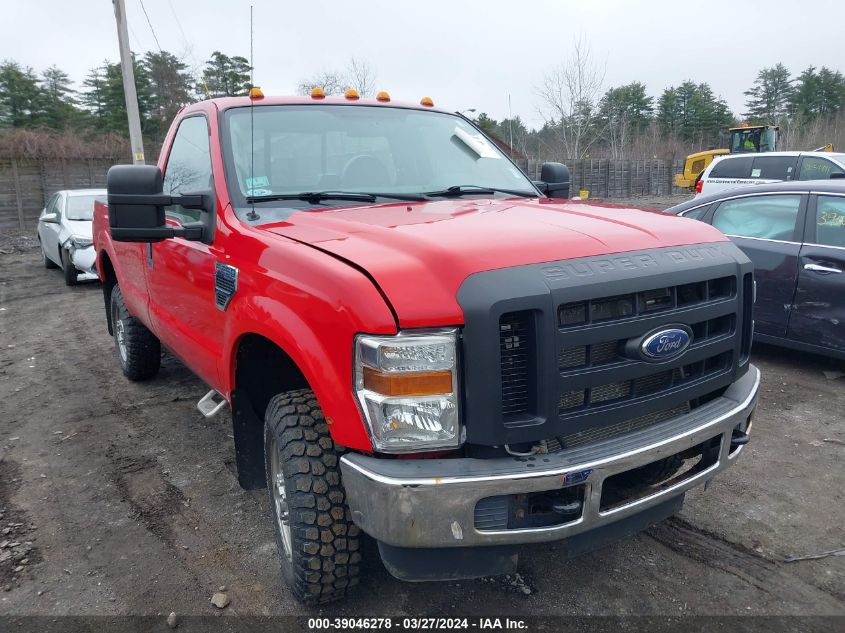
pixel 255 93
pixel 428 102
pixel 352 94
pixel 383 97
pixel 318 93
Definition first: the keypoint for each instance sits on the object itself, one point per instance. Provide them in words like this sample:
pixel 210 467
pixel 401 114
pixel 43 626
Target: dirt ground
pixel 120 498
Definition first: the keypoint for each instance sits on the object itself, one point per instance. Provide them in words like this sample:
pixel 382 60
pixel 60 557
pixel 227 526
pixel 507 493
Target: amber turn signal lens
pixel 383 96
pixel 417 384
pixel 317 93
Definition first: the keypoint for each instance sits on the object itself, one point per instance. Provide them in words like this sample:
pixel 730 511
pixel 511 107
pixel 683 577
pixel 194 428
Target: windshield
pixel 359 149
pixel 80 207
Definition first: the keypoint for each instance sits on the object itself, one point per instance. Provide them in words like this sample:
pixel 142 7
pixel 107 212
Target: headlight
pixel 81 242
pixel 408 389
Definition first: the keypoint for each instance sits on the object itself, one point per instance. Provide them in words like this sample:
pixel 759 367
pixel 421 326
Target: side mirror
pixel 837 175
pixel 554 180
pixel 136 206
pixel 50 218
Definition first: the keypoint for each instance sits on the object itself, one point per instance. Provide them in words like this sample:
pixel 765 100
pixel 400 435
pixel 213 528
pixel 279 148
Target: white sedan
pixel 64 233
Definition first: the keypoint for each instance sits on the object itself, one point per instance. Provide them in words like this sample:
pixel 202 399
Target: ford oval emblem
pixel 665 344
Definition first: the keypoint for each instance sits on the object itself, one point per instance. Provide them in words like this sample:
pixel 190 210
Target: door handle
pixel 818 268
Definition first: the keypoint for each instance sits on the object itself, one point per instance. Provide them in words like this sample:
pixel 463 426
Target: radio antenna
pixel 252 215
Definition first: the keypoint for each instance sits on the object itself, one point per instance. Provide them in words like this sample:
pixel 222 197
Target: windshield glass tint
pixel 80 207
pixel 372 149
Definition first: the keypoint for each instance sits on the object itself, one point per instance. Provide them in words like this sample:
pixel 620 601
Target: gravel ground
pixel 120 498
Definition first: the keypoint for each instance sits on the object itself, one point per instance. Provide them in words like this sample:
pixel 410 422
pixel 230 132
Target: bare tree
pixel 361 77
pixel 617 134
pixel 569 96
pixel 331 82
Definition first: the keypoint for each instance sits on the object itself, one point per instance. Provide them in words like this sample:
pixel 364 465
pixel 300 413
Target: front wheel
pixel 69 269
pixel 316 538
pixel 138 350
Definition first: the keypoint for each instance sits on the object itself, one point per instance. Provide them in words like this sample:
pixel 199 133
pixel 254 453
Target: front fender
pixel 311 306
pixel 326 368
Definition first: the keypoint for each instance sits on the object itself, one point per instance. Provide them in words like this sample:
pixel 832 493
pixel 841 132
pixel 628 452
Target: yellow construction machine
pixel 748 138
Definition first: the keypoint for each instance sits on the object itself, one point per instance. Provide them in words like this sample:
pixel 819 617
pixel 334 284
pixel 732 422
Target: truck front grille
pixel 567 360
pixel 644 385
pixel 604 387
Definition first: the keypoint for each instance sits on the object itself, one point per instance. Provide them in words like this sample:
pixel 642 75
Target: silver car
pixel 64 233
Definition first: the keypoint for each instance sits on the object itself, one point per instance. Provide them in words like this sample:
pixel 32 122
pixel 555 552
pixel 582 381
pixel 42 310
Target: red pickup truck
pixel 419 342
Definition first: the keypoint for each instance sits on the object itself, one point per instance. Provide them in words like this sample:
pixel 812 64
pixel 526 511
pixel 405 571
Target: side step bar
pixel 210 407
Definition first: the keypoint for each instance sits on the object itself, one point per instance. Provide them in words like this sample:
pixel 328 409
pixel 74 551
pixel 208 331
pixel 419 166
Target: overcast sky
pixel 463 53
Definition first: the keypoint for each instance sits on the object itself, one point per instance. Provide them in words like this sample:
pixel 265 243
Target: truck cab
pixel 417 341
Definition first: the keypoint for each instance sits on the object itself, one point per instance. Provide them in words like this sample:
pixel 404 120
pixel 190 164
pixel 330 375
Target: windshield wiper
pixel 314 197
pixel 465 190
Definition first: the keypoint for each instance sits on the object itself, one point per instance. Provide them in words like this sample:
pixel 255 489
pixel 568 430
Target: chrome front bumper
pixel 431 502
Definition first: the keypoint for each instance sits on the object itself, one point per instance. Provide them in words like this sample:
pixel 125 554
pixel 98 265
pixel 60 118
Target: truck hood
pixel 420 253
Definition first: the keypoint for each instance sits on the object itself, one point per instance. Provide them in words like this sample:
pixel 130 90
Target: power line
pixel 152 30
pixel 178 23
pixel 136 38
pixel 189 49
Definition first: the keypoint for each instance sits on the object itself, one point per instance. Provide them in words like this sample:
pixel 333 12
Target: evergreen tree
pixel 59 107
pixel 20 96
pixel 170 88
pixel 831 91
pixel 92 97
pixel 769 97
pixel 224 76
pixel 628 103
pixel 693 113
pixel 104 99
pixel 817 93
pixel 624 113
pixel 487 125
pixel 669 111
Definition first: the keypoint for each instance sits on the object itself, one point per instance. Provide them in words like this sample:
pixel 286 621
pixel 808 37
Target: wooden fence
pixel 26 184
pixel 605 178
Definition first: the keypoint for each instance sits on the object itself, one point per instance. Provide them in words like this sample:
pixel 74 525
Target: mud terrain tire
pixel 138 350
pixel 317 541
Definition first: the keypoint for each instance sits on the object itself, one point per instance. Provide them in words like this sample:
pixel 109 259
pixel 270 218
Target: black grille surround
pixel 547 353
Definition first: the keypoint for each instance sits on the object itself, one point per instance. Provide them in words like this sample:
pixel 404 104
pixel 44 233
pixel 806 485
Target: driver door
pixel 180 271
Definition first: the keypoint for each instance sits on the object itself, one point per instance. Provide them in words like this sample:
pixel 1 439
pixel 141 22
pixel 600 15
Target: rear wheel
pixel 48 263
pixel 316 538
pixel 138 350
pixel 69 269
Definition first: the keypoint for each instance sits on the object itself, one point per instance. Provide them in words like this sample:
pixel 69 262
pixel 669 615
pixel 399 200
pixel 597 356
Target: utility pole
pixel 129 92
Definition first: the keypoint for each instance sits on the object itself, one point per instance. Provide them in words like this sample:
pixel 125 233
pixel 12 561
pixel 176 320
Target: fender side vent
pixel 225 284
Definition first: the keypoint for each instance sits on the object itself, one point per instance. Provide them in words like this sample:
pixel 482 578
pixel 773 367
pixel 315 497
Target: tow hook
pixel 738 438
pixel 210 407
